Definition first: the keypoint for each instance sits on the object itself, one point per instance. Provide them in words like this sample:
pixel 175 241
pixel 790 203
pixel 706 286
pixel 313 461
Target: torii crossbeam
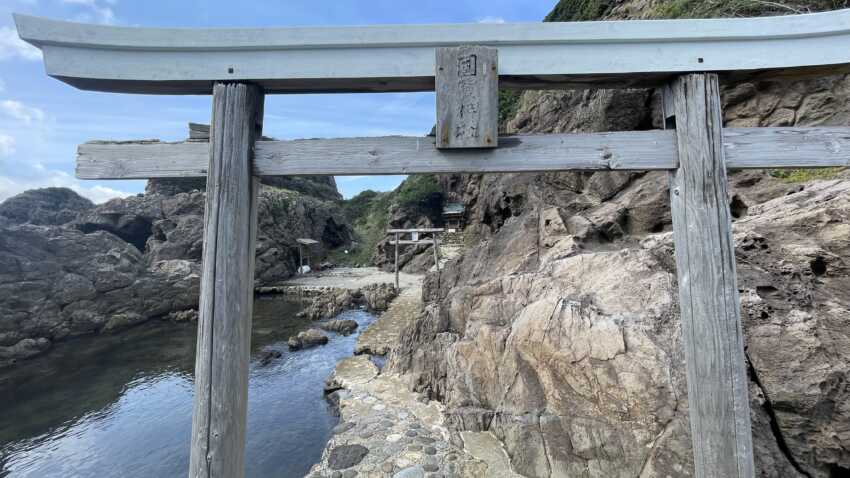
pixel 239 66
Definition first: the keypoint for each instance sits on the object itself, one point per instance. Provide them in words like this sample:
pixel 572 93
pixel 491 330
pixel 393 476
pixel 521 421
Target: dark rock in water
pixel 268 355
pixel 331 302
pixel 306 339
pixel 340 326
pixel 346 456
pixel 24 349
pixel 44 207
pixel 57 282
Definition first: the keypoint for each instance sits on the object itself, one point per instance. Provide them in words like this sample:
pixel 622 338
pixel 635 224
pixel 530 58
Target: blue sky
pixel 42 120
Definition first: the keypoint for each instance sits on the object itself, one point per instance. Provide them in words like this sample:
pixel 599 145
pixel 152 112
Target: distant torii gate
pixel 398 239
pixel 239 66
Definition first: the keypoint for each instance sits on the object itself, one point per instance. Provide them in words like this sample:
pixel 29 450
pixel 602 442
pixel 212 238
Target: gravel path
pixel 352 278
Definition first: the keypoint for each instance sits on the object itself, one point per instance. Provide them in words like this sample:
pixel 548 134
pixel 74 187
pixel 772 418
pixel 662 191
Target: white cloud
pixel 11 46
pixel 489 19
pixel 11 186
pixel 20 111
pixel 7 145
pixel 96 11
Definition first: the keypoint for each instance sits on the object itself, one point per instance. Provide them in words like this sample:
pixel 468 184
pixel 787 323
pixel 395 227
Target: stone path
pixel 386 330
pixel 386 431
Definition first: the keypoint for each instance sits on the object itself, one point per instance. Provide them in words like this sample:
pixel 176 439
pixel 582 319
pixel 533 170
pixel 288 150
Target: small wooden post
pixel 300 259
pixel 467 89
pixel 227 286
pixel 436 252
pixel 708 293
pixel 396 261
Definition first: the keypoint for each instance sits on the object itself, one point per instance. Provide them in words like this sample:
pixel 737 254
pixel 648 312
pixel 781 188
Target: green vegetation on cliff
pixel 578 10
pixel 371 213
pixel 740 8
pixel 589 10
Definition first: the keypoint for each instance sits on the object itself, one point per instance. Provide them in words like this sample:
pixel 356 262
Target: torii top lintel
pixel 401 57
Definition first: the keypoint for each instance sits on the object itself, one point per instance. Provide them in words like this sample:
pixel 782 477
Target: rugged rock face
pixel 59 282
pixel 572 354
pixel 71 268
pixel 44 207
pixel 558 330
pixel 170 227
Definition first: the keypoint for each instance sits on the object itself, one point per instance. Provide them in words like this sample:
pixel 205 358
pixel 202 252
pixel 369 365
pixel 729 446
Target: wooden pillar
pixel 227 283
pixel 396 261
pixel 708 293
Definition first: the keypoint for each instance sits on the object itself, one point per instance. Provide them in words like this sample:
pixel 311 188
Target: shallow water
pixel 121 405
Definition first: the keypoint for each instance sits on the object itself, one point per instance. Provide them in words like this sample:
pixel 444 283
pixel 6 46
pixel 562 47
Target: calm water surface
pixel 121 405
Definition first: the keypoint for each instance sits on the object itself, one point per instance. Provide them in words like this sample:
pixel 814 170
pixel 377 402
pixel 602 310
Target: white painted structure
pixel 239 66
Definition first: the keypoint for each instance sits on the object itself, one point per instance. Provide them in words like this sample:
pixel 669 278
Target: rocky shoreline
pixel 386 430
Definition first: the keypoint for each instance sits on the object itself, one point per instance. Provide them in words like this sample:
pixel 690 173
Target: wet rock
pixel 69 267
pixel 346 456
pixel 340 326
pixel 268 356
pixel 57 282
pixel 306 339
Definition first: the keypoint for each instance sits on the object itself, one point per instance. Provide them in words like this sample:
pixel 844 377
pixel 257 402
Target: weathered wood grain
pixel 637 150
pixel 718 397
pixel 421 229
pixel 436 253
pixel 396 259
pixel 409 242
pixel 467 97
pixel 401 58
pixel 224 328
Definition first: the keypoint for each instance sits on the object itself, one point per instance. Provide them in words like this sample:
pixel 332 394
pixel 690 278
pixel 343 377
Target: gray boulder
pixel 58 282
pixel 306 339
pixel 340 326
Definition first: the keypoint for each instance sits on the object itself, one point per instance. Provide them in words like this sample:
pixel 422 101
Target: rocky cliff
pixel 68 267
pixel 558 329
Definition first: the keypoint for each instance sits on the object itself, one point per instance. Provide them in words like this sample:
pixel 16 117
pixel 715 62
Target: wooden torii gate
pixel 239 66
pixel 398 240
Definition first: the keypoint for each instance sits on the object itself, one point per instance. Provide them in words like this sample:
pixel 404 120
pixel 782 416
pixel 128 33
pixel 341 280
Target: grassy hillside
pixel 371 213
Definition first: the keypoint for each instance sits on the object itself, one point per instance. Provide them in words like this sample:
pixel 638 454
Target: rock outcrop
pixel 571 354
pixel 68 267
pixel 340 326
pixel 58 282
pixel 306 339
pixel 558 330
pixel 44 207
pixel 331 302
